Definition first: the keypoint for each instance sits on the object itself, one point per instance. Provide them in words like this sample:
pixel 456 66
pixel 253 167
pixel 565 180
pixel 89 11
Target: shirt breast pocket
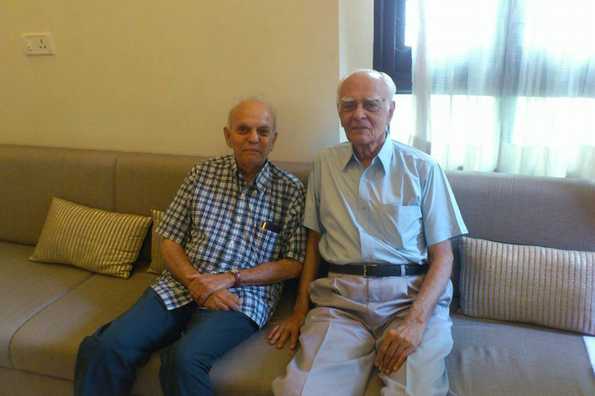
pixel 266 243
pixel 400 225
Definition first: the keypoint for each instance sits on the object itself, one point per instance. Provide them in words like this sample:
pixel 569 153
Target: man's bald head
pixel 389 89
pixel 234 110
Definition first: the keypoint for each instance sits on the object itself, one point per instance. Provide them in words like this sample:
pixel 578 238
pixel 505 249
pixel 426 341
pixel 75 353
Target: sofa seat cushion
pixel 248 369
pixel 48 343
pixel 500 358
pixel 26 289
pixel 492 358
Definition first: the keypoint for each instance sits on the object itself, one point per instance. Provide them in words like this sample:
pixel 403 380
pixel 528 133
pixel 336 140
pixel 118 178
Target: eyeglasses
pixel 372 105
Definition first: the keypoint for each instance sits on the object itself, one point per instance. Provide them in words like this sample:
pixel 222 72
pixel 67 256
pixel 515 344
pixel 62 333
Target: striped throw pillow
pixel 92 239
pixel 531 284
pixel 157 263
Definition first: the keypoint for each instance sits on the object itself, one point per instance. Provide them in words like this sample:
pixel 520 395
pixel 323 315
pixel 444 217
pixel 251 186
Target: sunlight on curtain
pixel 502 85
pixel 553 137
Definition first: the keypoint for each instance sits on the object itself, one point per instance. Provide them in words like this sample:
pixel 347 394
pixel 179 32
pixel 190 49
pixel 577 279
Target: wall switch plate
pixel 39 44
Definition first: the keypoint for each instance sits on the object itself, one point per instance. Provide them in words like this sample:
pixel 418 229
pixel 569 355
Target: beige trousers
pixel 339 339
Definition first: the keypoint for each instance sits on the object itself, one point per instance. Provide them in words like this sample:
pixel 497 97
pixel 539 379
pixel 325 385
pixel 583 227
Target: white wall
pixel 157 76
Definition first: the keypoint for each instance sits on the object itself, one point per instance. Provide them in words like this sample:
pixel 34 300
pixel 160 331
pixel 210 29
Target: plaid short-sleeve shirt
pixel 224 224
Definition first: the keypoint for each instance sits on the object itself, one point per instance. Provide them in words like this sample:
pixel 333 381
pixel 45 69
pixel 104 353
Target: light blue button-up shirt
pixel 389 212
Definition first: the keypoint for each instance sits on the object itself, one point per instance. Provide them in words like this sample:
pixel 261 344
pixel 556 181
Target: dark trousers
pixel 192 339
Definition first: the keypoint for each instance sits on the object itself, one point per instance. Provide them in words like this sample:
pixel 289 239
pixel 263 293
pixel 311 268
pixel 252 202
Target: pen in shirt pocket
pixel 268 226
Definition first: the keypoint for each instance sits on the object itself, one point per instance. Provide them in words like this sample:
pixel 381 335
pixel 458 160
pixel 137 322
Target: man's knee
pixel 98 345
pixel 105 346
pixel 182 362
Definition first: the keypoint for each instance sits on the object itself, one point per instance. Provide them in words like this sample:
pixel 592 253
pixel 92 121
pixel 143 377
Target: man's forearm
pixel 179 266
pixel 270 272
pixel 440 267
pixel 177 262
pixel 311 264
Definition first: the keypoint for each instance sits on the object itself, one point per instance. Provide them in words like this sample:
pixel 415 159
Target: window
pixel 495 87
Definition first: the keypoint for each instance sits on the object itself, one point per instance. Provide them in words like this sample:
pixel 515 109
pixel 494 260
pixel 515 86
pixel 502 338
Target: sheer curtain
pixel 502 85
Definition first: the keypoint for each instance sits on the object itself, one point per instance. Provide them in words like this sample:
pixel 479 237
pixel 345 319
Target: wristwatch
pixel 236 276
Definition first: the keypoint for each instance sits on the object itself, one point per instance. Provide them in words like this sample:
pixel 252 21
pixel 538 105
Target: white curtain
pixel 502 85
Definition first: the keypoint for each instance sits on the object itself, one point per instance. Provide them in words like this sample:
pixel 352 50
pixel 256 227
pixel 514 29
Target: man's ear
pixel 226 133
pixel 274 138
pixel 391 110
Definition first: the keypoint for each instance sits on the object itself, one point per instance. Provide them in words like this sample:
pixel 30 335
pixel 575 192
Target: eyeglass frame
pixel 367 104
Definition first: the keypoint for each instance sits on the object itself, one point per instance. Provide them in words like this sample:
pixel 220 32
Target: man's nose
pixel 253 135
pixel 359 111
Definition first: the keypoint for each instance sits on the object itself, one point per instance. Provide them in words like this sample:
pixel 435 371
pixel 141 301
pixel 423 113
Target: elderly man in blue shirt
pixel 381 214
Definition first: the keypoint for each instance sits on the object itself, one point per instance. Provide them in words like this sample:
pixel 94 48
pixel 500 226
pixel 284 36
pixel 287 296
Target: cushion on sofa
pixel 93 239
pixel 157 263
pixel 532 284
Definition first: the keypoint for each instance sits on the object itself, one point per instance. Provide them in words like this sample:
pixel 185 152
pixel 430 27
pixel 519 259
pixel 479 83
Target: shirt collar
pixel 384 156
pixel 262 179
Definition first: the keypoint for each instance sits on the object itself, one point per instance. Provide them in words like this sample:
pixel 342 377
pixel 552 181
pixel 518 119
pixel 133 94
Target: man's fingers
pixel 399 358
pixel 399 362
pixel 390 355
pixel 273 334
pixel 382 351
pixel 282 339
pixel 222 306
pixel 226 305
pixel 230 300
pixel 397 355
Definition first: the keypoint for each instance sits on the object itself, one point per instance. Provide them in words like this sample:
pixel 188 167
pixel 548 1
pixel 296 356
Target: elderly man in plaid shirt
pixel 231 235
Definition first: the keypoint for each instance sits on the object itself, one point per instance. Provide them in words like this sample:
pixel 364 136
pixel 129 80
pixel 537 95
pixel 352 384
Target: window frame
pixel 391 55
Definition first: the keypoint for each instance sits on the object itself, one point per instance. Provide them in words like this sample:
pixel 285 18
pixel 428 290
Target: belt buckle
pixel 366 268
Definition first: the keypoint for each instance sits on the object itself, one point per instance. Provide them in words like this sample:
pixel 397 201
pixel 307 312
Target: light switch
pixel 39 44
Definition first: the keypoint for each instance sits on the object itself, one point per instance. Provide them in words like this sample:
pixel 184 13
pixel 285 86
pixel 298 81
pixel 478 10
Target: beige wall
pixel 159 76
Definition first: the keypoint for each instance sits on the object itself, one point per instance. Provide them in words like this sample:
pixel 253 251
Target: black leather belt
pixel 379 270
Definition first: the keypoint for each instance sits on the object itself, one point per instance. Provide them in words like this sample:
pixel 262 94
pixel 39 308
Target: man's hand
pixel 222 300
pixel 201 287
pixel 399 343
pixel 288 328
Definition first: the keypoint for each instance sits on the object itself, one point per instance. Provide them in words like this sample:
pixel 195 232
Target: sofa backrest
pixel 543 211
pixel 558 213
pixel 30 176
pixel 115 181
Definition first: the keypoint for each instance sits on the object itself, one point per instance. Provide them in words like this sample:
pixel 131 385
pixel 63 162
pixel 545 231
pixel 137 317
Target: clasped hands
pixel 211 291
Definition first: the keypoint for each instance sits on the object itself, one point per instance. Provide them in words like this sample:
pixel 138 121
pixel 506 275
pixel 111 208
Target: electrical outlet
pixel 39 44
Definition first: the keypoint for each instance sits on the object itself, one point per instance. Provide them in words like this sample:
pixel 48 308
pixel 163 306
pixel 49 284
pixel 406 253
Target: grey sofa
pixel 47 309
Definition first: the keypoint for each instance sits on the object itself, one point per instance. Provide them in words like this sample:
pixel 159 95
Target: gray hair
pixel 373 74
